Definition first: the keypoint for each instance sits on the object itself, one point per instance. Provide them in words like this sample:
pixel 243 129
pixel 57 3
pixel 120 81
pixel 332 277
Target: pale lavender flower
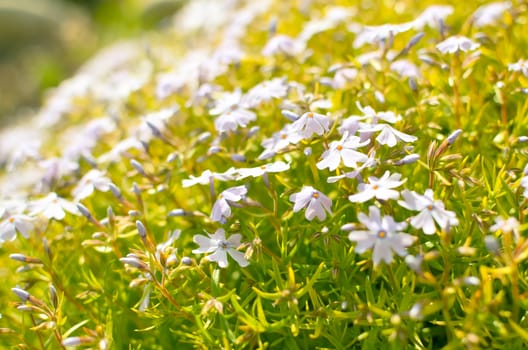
pixel 405 68
pixel 343 150
pixel 222 207
pixel 92 180
pixel 509 225
pixel 381 188
pixel 430 211
pixel 381 34
pixel 311 123
pixel 457 43
pixel 384 236
pixel 369 163
pixel 315 202
pixel 52 207
pixel 220 247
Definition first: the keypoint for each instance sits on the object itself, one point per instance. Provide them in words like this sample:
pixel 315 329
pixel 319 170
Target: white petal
pixel 238 257
pixel 205 244
pixel 220 257
pixel 382 251
pixel 361 197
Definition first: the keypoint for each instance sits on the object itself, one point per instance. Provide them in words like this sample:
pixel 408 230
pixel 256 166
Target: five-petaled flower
pixel 381 188
pixel 222 207
pixel 53 207
pixel 94 179
pixel 430 211
pixel 311 123
pixel 384 236
pixel 220 247
pixel 13 224
pixel 343 150
pixel 315 202
pixel 457 43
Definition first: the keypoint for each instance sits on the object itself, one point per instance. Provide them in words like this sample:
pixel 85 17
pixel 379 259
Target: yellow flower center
pixel 430 207
pixel 375 187
pixel 11 220
pixel 315 195
pixel 382 234
pixel 310 115
pixel 339 148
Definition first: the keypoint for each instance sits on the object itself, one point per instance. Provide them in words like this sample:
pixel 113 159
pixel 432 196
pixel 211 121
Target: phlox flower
pixel 208 176
pixel 279 141
pixel 52 207
pixel 381 188
pixel 432 16
pixel 93 179
pixel 510 224
pixel 232 112
pixel 430 211
pixel 371 162
pixel 388 135
pixel 384 236
pixel 315 202
pixel 12 224
pixel 311 123
pixel 519 66
pixel 380 34
pixel 490 13
pixel 343 150
pixel 457 43
pixel 282 45
pixel 220 247
pixel 275 167
pixel 222 207
pixel 266 91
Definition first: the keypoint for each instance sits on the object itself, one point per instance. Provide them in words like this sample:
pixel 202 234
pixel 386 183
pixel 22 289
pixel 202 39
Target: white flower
pixel 369 112
pixel 122 147
pixel 279 141
pixel 388 135
pixel 430 211
pixel 369 163
pixel 510 225
pixel 343 150
pixel 220 247
pixel 457 43
pixel 208 176
pixel 490 13
pixel 222 207
pixel 53 207
pixel 315 202
pixel 56 168
pixel 384 236
pixel 94 179
pixel 311 123
pixel 13 224
pixel 519 66
pixel 380 34
pixel 282 44
pixel 381 188
pixel 405 68
pixel 275 167
pixel 266 91
pixel 432 16
pixel 232 112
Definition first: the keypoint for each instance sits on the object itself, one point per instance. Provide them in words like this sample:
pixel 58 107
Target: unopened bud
pixel 409 159
pixel 290 115
pixel 238 158
pixel 22 294
pixel 186 261
pixel 139 168
pixel 141 229
pixel 115 191
pixel 454 135
pixel 176 212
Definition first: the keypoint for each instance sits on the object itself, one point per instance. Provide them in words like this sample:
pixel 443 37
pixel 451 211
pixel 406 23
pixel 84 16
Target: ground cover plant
pixel 283 175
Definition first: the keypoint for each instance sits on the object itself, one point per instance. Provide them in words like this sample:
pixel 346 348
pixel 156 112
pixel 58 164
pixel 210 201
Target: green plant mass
pixel 278 175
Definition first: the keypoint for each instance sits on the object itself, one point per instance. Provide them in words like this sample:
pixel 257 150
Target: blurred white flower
pixel 432 16
pixel 282 45
pixel 279 141
pixel 220 247
pixel 343 150
pixel 222 207
pixel 207 176
pixel 430 211
pixel 232 112
pixel 384 236
pixel 12 224
pixel 490 13
pixel 509 225
pixel 315 202
pixel 311 123
pixel 519 66
pixel 381 188
pixel 93 179
pixel 52 207
pixel 457 43
pixel 381 34
pixel 266 91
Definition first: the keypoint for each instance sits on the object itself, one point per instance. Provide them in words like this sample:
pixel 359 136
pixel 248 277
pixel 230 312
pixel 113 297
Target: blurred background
pixel 43 42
